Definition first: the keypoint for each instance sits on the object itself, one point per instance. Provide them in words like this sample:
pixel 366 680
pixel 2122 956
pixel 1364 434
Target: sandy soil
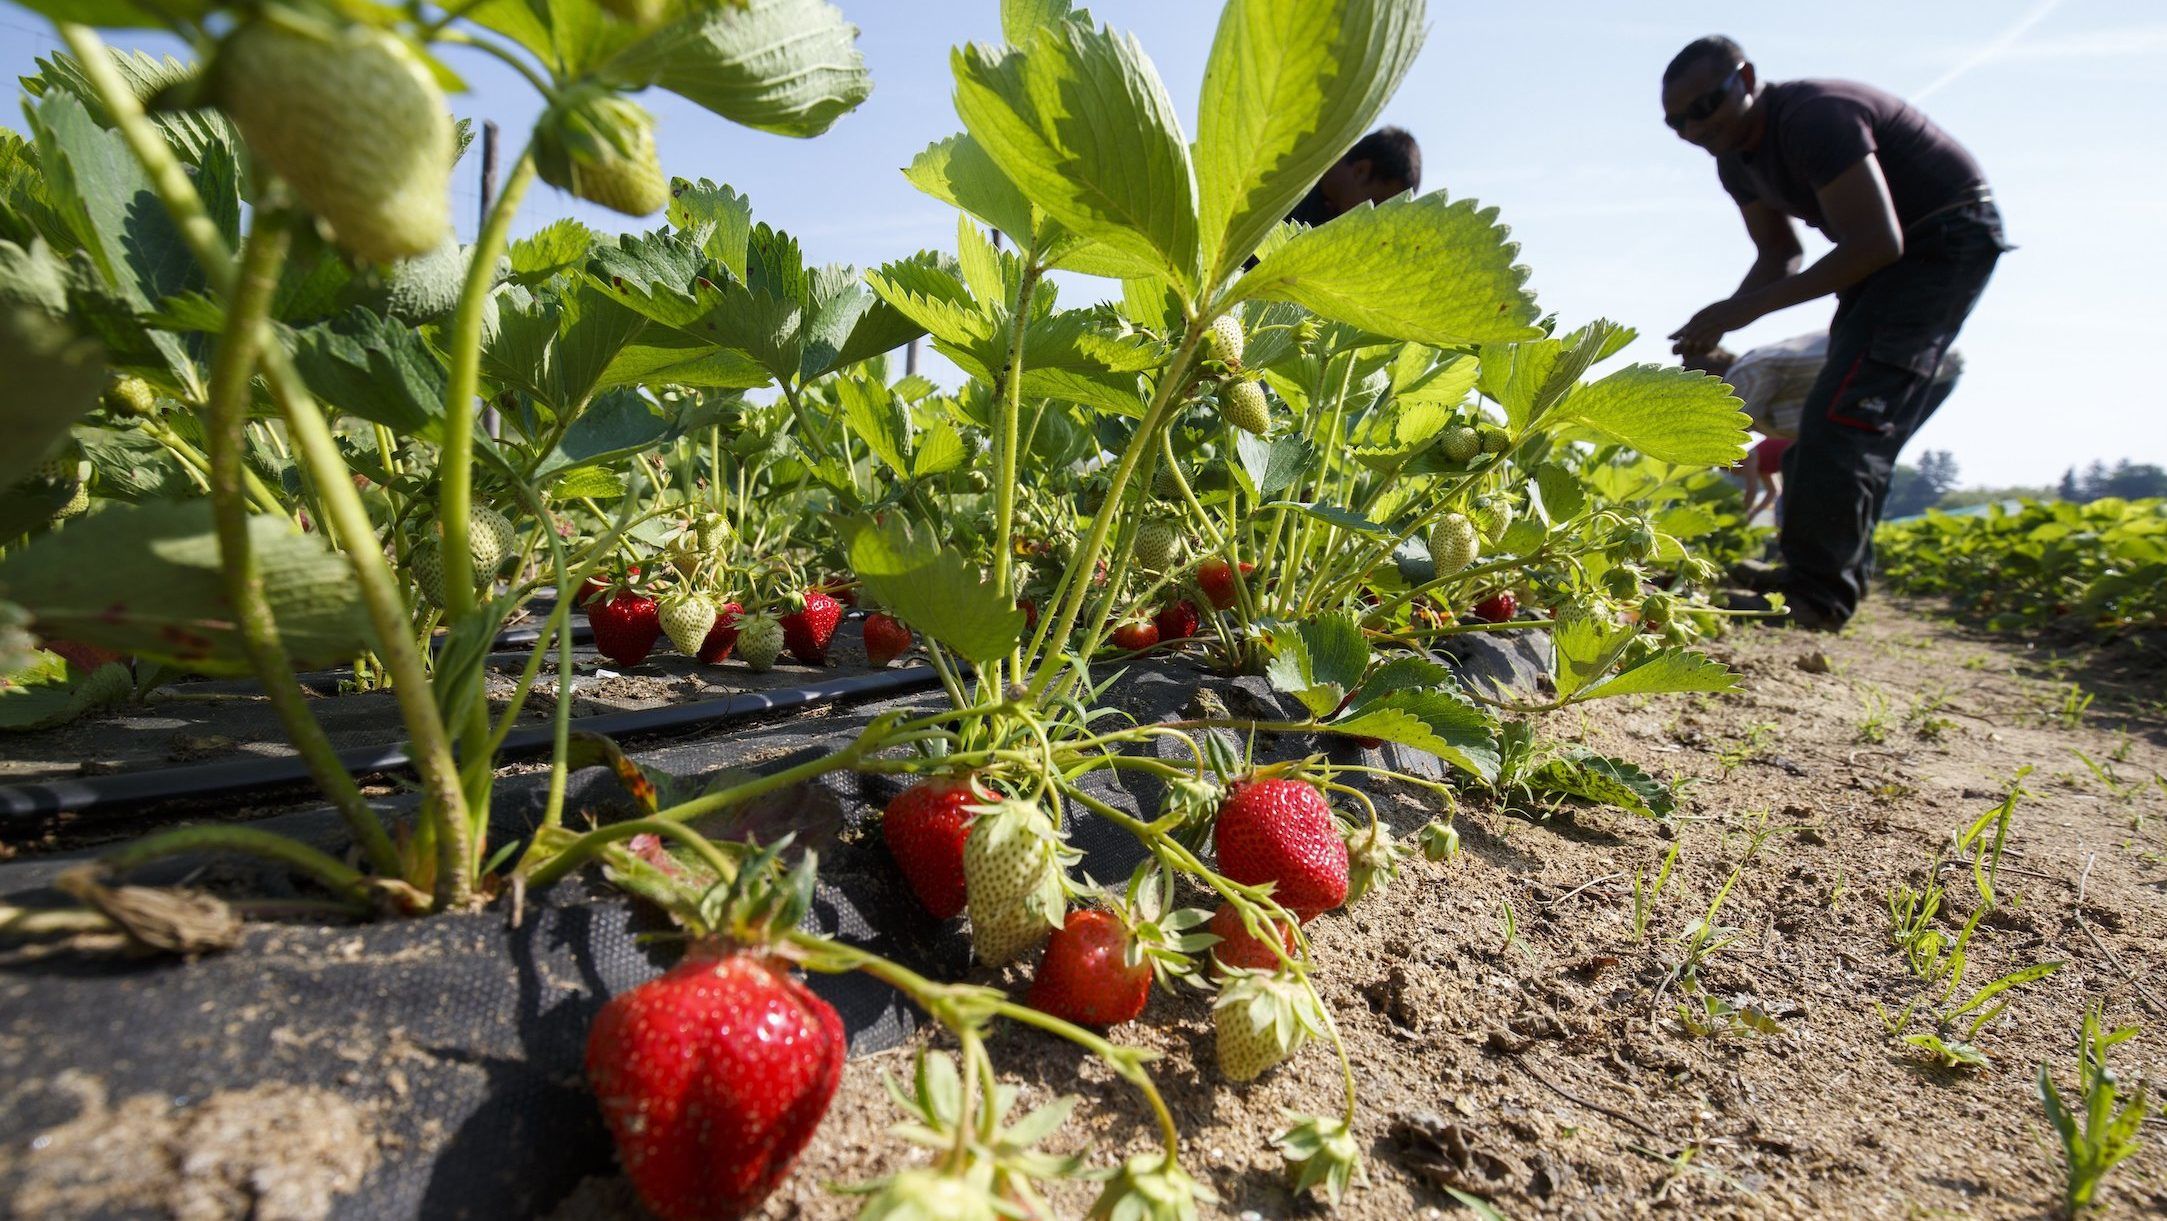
pixel 1552 1074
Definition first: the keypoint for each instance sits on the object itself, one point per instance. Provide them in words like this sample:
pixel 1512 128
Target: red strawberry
pixel 806 631
pixel 712 1078
pixel 722 637
pixel 1029 607
pixel 597 585
pixel 83 656
pixel 1499 607
pixel 1178 622
pixel 1280 830
pixel 1216 579
pixel 1135 635
pixel 1237 948
pixel 1086 977
pixel 885 639
pixel 625 627
pixel 925 827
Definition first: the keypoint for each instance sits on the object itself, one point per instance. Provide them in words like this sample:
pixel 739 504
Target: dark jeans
pixel 1884 348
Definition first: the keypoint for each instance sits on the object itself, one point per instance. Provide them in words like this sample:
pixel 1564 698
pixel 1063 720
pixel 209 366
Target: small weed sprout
pixel 2103 1130
pixel 1644 897
pixel 1873 728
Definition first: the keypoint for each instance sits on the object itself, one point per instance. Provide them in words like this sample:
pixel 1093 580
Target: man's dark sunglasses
pixel 1706 104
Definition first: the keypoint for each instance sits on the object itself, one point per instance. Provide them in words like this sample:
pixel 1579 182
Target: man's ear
pixel 1751 78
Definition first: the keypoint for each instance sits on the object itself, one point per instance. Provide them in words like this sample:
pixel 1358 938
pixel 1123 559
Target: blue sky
pixel 1550 112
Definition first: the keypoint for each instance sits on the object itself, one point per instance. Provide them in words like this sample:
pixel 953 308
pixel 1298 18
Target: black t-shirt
pixel 1818 129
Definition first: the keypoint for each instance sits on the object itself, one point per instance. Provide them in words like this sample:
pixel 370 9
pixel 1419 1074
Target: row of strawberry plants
pixel 2101 566
pixel 1276 451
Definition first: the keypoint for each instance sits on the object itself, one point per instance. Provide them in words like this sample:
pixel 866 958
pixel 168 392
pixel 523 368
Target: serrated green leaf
pixel 790 67
pixel 148 580
pixel 1668 671
pixel 1290 85
pixel 936 591
pixel 375 368
pixel 957 172
pixel 1608 781
pixel 716 218
pixel 1319 661
pixel 1271 467
pixel 1114 170
pixel 588 483
pixel 54 691
pixel 557 246
pixel 1664 412
pixel 1529 379
pixel 1427 269
pixel 1345 519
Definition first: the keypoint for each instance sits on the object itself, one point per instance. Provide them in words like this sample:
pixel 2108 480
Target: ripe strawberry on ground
pixel 1135 635
pixel 712 1078
pixel 1012 863
pixel 686 619
pixel 760 641
pixel 601 147
pixel 353 121
pixel 807 630
pixel 1261 1019
pixel 1454 544
pixel 925 827
pixel 1224 342
pixel 625 627
pixel 1085 976
pixel 885 639
pixel 1178 621
pixel 1244 406
pixel 1499 607
pixel 1280 830
pixel 722 637
pixel 1237 949
pixel 1216 578
pixel 598 584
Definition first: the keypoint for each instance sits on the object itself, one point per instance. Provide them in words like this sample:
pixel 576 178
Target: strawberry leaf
pixel 934 590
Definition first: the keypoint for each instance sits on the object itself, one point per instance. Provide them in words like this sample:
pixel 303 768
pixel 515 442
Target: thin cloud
pixel 1991 51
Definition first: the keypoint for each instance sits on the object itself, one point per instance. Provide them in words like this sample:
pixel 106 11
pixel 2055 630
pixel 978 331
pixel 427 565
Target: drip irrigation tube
pixel 77 796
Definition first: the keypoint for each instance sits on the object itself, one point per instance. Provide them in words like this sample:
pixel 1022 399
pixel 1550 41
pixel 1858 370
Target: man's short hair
pixel 1715 48
pixel 1392 153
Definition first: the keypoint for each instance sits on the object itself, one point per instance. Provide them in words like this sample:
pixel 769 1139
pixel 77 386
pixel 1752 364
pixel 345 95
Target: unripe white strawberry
pixel 352 120
pixel 129 395
pixel 490 538
pixel 1224 342
pixel 686 620
pixel 1461 443
pixel 1261 1019
pixel 1454 544
pixel 760 641
pixel 1157 541
pixel 601 147
pixel 426 564
pixel 1012 874
pixel 1244 406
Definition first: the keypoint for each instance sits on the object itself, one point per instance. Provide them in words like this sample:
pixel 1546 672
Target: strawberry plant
pixel 2100 568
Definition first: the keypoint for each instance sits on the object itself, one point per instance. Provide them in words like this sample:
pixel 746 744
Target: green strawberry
pixel 760 641
pixel 1261 1019
pixel 490 539
pixel 354 122
pixel 426 563
pixel 1012 863
pixel 1495 440
pixel 129 395
pixel 1157 542
pixel 1223 342
pixel 1494 514
pixel 1244 407
pixel 601 147
pixel 1163 484
pixel 640 13
pixel 1454 544
pixel 686 619
pixel 1461 443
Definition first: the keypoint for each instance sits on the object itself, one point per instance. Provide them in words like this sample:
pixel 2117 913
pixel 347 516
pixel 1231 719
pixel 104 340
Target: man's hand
pixel 1705 329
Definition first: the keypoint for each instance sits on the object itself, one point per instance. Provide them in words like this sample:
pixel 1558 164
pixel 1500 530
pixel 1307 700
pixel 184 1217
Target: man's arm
pixel 1776 252
pixel 1857 205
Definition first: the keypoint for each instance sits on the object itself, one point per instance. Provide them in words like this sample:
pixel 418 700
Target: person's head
pixel 1384 163
pixel 1710 95
pixel 1716 361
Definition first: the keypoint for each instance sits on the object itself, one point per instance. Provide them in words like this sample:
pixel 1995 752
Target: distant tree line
pixel 1931 484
